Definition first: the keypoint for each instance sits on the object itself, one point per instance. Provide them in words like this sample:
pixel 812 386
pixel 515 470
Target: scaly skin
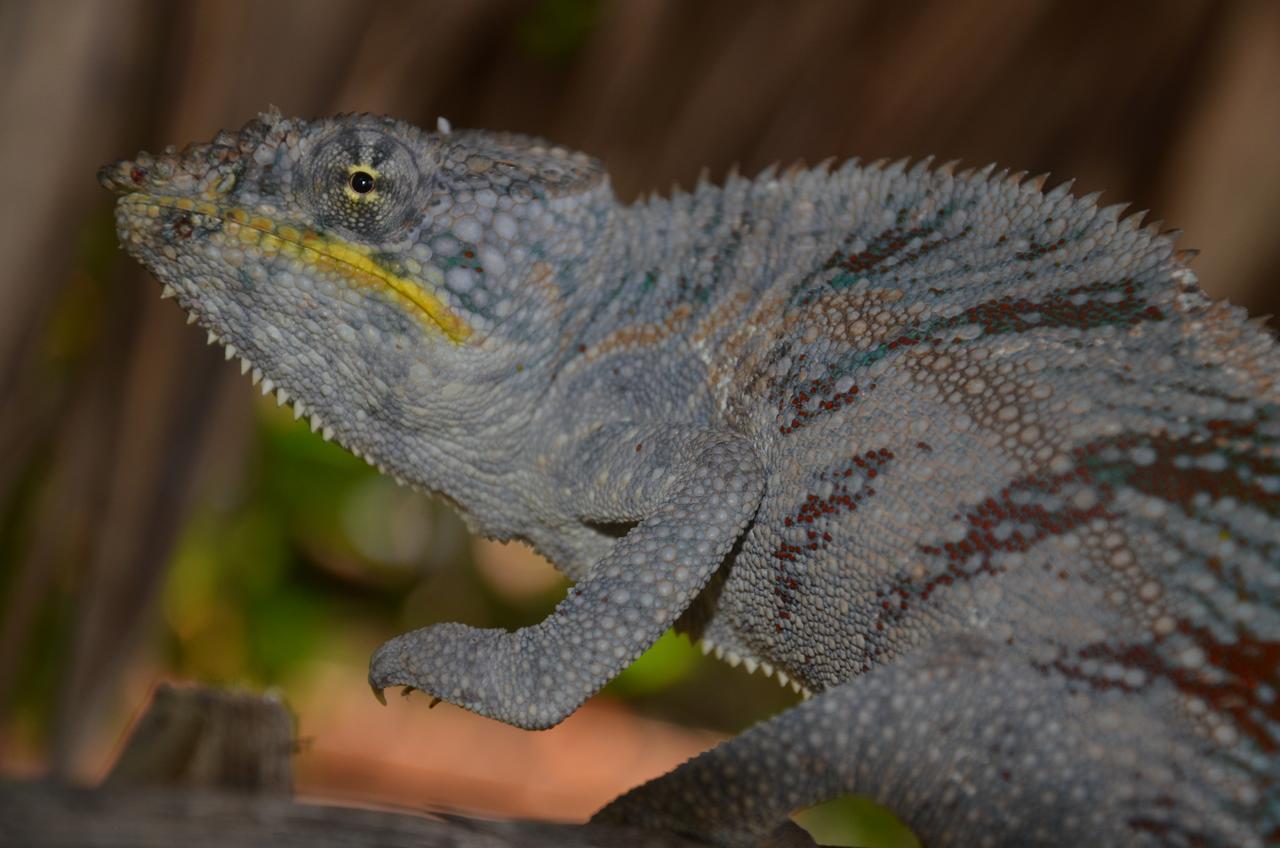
pixel 980 466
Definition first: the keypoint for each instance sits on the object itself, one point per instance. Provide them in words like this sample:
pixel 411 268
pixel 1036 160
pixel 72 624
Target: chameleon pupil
pixel 361 182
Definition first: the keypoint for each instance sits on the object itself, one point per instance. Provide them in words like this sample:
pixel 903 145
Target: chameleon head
pixel 395 282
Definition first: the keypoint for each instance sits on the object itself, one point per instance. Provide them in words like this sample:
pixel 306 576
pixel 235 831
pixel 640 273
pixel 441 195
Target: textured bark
pixel 210 767
pixel 210 738
pixel 45 815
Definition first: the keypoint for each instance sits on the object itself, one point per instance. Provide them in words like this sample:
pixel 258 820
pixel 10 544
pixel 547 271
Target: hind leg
pixel 969 744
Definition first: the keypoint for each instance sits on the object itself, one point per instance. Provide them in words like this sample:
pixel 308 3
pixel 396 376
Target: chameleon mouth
pixel 265 237
pixel 354 264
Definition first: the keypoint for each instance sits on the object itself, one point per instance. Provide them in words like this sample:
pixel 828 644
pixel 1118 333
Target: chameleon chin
pixel 976 466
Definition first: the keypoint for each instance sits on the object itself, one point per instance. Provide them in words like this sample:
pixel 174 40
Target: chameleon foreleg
pixel 696 492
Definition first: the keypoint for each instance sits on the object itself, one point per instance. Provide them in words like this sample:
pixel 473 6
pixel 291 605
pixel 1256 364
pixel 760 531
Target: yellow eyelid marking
pixel 351 261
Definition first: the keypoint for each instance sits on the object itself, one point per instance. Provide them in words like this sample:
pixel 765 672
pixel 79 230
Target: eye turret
pixel 363 184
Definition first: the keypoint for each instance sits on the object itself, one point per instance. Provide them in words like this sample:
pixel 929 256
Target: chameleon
pixel 974 465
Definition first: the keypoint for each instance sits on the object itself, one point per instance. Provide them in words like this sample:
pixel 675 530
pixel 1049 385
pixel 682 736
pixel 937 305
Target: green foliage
pixel 555 30
pixel 671 659
pixel 81 307
pixel 853 820
pixel 244 601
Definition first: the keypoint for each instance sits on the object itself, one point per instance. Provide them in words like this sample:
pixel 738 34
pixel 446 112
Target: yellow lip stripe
pixel 351 261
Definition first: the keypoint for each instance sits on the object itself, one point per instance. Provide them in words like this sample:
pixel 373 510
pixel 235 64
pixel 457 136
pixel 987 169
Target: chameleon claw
pixel 407 691
pixel 433 703
pixel 377 693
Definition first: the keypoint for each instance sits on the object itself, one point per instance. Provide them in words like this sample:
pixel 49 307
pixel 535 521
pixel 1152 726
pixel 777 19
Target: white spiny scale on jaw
pixel 266 385
pixel 709 647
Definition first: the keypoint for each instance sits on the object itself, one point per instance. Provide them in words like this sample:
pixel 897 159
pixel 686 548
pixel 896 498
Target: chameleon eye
pixel 361 182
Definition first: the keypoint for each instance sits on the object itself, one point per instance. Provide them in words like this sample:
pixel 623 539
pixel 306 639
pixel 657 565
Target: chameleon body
pixel 977 466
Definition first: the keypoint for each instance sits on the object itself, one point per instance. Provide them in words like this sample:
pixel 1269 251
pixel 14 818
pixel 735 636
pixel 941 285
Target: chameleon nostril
pixel 137 175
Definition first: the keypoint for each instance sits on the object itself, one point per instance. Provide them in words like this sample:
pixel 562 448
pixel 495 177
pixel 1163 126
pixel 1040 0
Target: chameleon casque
pixel 977 466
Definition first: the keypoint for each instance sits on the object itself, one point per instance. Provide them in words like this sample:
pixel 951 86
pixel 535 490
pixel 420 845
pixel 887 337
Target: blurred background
pixel 159 520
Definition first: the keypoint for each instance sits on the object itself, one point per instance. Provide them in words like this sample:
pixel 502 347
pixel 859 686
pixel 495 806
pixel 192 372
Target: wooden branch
pixel 207 767
pixel 202 737
pixel 46 815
